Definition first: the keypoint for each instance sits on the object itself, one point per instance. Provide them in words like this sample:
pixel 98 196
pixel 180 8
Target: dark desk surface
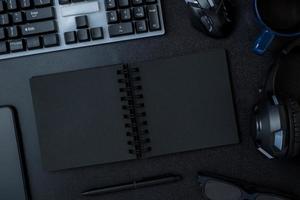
pixel 240 161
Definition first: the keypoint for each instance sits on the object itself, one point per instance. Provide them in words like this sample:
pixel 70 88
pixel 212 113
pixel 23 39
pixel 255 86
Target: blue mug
pixel 277 18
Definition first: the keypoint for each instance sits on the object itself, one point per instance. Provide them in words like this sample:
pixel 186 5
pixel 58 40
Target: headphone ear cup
pixel 294 117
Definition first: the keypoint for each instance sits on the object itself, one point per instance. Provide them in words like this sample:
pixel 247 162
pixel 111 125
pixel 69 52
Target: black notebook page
pixel 188 102
pixel 79 118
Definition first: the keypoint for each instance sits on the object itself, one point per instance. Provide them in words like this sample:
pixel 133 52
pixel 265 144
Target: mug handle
pixel 263 42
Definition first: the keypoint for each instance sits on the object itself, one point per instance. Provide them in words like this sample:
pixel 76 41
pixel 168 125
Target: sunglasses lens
pixel 269 197
pixel 216 190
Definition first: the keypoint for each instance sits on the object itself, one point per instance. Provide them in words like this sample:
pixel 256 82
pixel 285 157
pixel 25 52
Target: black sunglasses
pixel 216 189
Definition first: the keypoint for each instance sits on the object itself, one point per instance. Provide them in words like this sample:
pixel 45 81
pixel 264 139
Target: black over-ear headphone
pixel 277 118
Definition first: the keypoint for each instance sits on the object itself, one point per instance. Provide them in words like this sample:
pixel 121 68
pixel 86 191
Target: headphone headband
pixel 270 81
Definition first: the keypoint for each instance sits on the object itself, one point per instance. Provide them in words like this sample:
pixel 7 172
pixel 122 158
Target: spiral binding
pixel 132 104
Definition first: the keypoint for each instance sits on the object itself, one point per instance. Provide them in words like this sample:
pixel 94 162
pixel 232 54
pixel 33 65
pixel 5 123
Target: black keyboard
pixel 36 26
pixel 22 20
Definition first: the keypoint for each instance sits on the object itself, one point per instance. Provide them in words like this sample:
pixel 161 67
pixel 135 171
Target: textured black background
pixel 238 161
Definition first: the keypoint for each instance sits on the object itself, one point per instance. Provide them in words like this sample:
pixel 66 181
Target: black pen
pixel 134 185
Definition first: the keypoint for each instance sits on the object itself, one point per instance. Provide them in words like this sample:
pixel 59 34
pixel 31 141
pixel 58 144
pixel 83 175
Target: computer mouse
pixel 215 18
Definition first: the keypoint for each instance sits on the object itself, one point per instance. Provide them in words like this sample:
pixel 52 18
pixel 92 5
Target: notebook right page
pixel 188 102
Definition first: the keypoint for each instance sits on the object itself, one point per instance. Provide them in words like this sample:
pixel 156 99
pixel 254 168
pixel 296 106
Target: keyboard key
pixel 2 34
pixel 51 40
pixel 38 28
pixel 141 26
pixel 110 4
pixel 33 43
pixel 83 35
pixel 137 2
pixel 154 23
pixel 17 17
pixel 2 6
pixel 82 21
pixel 62 2
pixel 125 15
pixel 11 5
pixel 40 14
pixel 16 45
pixel 138 12
pixel 12 32
pixel 25 4
pixel 120 29
pixel 123 3
pixel 3 48
pixel 97 33
pixel 42 3
pixel 150 1
pixel 112 17
pixel 4 19
pixel 70 37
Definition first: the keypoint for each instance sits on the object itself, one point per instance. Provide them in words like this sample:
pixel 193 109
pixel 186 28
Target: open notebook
pixel 134 111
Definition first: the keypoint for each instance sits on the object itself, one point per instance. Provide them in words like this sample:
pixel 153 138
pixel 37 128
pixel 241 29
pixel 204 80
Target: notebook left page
pixel 79 118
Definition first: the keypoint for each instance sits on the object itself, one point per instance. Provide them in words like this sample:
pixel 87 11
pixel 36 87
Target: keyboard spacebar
pixel 38 28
